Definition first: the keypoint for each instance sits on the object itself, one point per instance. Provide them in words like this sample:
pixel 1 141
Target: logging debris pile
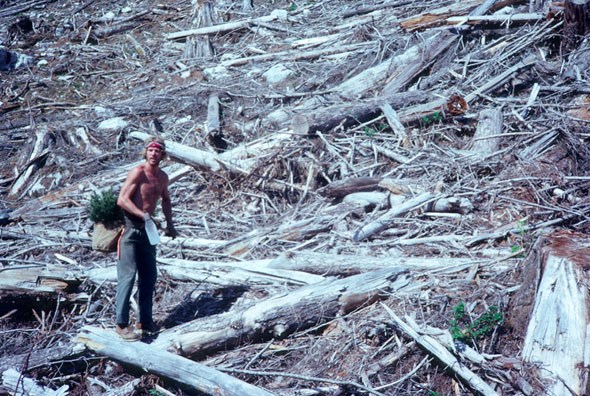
pixel 363 190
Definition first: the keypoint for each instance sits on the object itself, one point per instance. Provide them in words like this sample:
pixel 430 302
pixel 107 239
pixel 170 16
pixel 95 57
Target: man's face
pixel 154 155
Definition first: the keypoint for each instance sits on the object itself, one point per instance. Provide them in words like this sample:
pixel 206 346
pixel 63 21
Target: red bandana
pixel 156 145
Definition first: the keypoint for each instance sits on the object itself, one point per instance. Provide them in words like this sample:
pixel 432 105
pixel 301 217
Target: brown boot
pixel 127 333
pixel 147 328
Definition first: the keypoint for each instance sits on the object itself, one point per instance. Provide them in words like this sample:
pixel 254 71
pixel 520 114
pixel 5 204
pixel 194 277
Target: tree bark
pixel 282 315
pixel 199 377
pixel 576 22
pixel 558 332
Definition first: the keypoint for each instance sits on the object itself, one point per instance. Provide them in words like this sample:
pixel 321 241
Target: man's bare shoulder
pixel 136 171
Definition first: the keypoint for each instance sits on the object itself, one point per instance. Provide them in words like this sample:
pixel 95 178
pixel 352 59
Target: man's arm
pixel 125 200
pixel 167 209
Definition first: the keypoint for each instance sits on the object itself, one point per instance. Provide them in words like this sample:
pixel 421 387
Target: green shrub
pixel 104 209
pixel 479 328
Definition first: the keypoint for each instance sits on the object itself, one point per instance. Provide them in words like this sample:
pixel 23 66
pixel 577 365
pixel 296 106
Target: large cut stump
pixel 557 334
pixel 576 21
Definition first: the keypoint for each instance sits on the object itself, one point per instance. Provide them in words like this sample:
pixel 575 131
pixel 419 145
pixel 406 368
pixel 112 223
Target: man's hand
pixel 170 231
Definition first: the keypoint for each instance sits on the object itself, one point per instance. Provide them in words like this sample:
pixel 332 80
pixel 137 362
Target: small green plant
pixel 155 392
pixel 371 131
pixel 520 232
pixel 464 330
pixel 104 209
pixel 292 7
pixel 431 119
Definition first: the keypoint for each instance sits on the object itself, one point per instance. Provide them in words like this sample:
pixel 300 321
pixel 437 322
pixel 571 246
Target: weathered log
pixel 447 358
pixel 185 154
pixel 558 323
pixel 437 17
pixel 428 53
pixel 292 55
pixel 36 279
pixel 40 357
pixel 225 27
pixel 23 386
pixel 199 377
pixel 496 20
pixel 344 187
pixel 218 273
pixel 274 317
pixel 345 265
pixel 386 220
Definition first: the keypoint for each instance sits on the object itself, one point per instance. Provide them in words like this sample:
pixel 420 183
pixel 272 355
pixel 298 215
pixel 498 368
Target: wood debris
pixel 356 186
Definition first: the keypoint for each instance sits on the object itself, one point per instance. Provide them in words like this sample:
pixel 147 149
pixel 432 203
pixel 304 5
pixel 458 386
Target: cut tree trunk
pixel 576 22
pixel 558 329
pixel 282 315
pixel 487 135
pixel 199 377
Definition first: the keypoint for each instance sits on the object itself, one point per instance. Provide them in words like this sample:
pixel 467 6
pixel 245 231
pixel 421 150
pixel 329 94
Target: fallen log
pixel 346 265
pixel 253 272
pixel 197 376
pixel 274 317
pixel 186 154
pixel 437 17
pixel 386 220
pixel 496 20
pixel 23 386
pixel 447 358
pixel 40 357
pixel 224 27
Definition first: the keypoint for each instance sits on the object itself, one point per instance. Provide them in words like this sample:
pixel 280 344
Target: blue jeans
pixel 136 256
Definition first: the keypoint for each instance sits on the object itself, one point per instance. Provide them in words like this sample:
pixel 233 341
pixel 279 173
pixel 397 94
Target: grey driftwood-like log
pixel 557 335
pixel 386 220
pixel 40 357
pixel 186 154
pixel 36 279
pixel 224 27
pixel 254 272
pixel 437 17
pixel 279 316
pixel 22 385
pixel 144 356
pixel 447 358
pixel 347 264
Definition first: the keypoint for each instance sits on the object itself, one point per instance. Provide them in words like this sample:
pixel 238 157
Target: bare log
pixel 387 219
pixel 225 27
pixel 346 265
pixel 199 377
pixel 344 187
pixel 313 304
pixel 446 357
pixel 496 20
pixel 437 17
pixel 23 386
pixel 253 272
pixel 185 154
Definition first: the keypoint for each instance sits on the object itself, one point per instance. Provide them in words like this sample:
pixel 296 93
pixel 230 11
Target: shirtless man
pixel 144 186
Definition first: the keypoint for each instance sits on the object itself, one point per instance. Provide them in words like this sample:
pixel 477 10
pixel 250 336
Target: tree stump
pixel 552 304
pixel 200 47
pixel 576 22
